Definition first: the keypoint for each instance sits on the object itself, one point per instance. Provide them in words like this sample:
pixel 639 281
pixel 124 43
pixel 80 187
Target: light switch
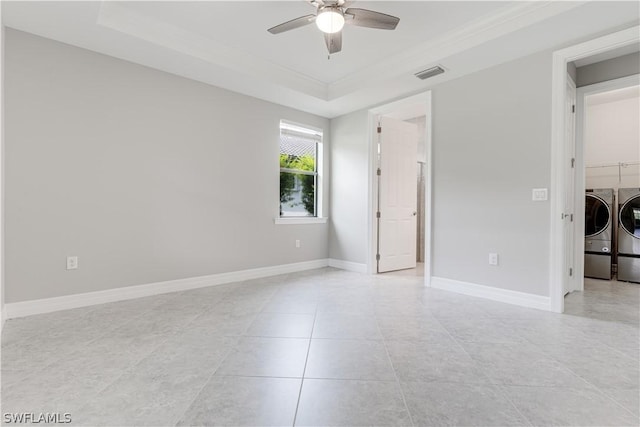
pixel 539 194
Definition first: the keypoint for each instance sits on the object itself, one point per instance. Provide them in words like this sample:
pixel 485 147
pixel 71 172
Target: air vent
pixel 430 72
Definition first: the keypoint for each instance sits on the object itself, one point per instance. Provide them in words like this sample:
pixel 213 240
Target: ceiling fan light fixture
pixel 330 20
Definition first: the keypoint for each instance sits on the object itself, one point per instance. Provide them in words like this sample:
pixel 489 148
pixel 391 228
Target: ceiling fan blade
pixel 293 24
pixel 333 41
pixel 370 19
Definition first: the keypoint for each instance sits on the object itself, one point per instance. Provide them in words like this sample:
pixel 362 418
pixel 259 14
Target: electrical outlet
pixel 297 243
pixel 493 259
pixel 72 262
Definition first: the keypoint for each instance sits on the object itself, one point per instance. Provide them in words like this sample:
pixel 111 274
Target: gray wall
pixel 145 176
pixel 615 68
pixel 491 146
pixel 349 187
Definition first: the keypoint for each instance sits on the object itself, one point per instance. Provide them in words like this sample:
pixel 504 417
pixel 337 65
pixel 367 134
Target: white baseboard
pixel 48 305
pixel 348 265
pixel 496 294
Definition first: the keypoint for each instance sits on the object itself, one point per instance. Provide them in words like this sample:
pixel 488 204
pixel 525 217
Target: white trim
pixel 48 305
pixel 302 127
pixel 423 98
pixel 559 163
pixel 496 294
pixel 506 20
pixel 348 265
pixel 118 17
pixel 372 194
pixel 3 312
pixel 609 85
pixel 301 220
pixel 321 186
pixel 573 281
pixel 428 194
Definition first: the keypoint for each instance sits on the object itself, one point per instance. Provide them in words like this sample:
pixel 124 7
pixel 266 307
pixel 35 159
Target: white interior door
pixel 570 177
pixel 397 197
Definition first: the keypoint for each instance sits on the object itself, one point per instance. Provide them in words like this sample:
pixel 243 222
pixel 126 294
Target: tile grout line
pixel 105 335
pixel 613 399
pixel 503 388
pixel 595 387
pixel 222 359
pixel 295 416
pixel 569 368
pixel 395 374
pixel 498 386
pixel 502 391
pixel 139 361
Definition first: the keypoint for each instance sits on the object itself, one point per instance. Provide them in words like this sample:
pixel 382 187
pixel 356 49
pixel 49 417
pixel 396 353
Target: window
pixel 300 159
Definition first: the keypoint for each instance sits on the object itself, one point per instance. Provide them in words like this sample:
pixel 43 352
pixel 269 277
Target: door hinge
pixel 571 272
pixel 377 257
pixel 378 214
pixel 573 163
pixel 573 108
pixel 571 217
pixel 379 172
pixel 379 129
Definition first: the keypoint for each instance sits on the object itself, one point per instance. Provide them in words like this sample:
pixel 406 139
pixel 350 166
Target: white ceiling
pixel 303 50
pixel 225 43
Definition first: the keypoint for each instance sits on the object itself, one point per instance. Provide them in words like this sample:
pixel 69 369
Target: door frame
pixel 3 316
pixel 559 163
pixel 570 149
pixel 424 99
pixel 581 179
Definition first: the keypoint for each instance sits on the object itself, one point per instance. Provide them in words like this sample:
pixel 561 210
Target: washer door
pixel 630 216
pixel 597 215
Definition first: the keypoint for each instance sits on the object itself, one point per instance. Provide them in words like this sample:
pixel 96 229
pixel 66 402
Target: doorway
pixel 413 113
pixel 562 165
pixel 607 147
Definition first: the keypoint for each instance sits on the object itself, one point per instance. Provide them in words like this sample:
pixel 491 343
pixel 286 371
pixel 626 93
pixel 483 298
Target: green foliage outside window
pixel 288 180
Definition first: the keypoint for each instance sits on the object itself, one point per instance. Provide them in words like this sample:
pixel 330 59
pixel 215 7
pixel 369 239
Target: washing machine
pixel 629 234
pixel 598 233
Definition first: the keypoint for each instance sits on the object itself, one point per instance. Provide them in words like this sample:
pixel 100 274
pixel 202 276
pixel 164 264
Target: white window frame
pixel 319 218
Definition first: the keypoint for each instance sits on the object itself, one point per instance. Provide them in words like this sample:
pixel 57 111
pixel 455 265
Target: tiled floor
pixel 329 347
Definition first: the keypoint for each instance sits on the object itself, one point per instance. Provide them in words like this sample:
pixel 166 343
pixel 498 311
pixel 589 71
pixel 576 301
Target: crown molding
pixel 477 32
pixel 116 16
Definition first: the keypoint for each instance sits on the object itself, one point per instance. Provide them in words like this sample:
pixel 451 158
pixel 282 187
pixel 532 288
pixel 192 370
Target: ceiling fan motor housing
pixel 330 19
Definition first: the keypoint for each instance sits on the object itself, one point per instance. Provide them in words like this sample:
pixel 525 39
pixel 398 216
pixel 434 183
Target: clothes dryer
pixel 598 233
pixel 629 235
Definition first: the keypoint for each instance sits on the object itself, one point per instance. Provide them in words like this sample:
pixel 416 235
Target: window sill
pixel 303 220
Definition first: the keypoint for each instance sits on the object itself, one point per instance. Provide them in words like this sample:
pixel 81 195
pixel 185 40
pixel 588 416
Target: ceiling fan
pixel 332 15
